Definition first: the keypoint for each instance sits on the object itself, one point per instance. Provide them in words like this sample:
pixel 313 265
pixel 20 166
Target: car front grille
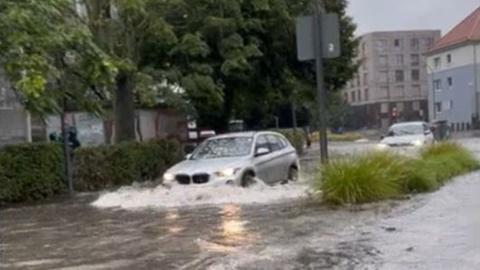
pixel 201 178
pixel 183 179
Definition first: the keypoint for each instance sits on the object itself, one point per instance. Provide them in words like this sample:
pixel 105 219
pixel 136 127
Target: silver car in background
pixel 407 134
pixel 238 158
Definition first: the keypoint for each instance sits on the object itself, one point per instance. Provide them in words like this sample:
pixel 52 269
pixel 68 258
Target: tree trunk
pixel 124 109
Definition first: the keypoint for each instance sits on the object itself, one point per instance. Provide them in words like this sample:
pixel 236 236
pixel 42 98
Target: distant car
pixel 238 158
pixel 408 134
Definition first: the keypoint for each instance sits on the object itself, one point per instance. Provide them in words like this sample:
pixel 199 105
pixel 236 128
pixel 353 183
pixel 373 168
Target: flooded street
pixel 260 228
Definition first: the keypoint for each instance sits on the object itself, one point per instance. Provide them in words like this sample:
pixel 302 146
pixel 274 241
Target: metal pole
pixel 320 85
pixel 66 150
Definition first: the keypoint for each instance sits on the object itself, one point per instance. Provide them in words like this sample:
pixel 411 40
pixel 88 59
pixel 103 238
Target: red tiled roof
pixel 467 30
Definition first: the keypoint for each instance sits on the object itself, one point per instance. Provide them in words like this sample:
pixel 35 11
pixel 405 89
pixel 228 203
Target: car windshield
pixel 403 130
pixel 224 148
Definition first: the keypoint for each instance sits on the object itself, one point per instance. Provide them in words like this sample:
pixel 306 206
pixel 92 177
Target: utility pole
pixel 318 37
pixel 318 51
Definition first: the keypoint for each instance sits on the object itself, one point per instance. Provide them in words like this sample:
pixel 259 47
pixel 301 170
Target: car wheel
pixel 248 180
pixel 293 174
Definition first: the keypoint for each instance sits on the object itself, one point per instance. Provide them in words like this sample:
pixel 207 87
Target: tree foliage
pixel 49 55
pixel 223 58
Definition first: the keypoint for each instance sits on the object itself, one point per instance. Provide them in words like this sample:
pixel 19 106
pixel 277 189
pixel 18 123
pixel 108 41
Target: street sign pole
pixel 318 51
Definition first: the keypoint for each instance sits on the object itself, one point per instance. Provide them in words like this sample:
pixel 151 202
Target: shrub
pixel 109 166
pixel 366 178
pixel 420 176
pixel 382 175
pixel 296 138
pixel 448 160
pixel 30 172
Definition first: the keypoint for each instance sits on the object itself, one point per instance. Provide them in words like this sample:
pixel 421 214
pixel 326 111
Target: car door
pixel 263 163
pixel 279 158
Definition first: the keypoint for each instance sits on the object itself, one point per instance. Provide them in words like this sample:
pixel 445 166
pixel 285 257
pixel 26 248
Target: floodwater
pixel 265 227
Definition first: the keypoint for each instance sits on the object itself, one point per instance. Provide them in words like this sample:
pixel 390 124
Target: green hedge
pixel 109 166
pixel 296 138
pixel 384 175
pixel 30 172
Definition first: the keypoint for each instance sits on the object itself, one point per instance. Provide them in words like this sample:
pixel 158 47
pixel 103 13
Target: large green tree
pixel 50 57
pixel 238 58
pixel 122 28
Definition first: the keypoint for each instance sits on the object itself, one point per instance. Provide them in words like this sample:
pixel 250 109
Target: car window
pixel 262 142
pixel 224 148
pixel 275 143
pixel 283 141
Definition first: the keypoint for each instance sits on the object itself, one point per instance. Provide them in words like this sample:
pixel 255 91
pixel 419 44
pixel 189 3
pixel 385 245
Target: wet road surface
pixel 222 229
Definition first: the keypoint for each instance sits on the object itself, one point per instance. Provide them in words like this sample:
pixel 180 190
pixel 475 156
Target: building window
pixel 449 58
pixel 383 76
pixel 399 91
pixel 400 107
pixel 399 60
pixel 383 60
pixel 381 44
pixel 450 82
pixel 415 60
pixel 399 76
pixel 345 97
pixel 416 105
pixel 352 96
pixel 383 92
pixel 359 96
pixel 365 79
pixel 384 108
pixel 438 107
pixel 366 95
pixel 415 75
pixel 414 44
pixel 398 43
pixel 437 62
pixel 437 85
pixel 416 90
pixel 429 42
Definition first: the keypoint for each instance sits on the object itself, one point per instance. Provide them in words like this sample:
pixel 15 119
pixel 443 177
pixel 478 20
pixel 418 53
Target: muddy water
pixel 227 228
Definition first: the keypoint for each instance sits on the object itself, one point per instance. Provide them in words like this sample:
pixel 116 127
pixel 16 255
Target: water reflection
pixel 233 231
pixel 173 225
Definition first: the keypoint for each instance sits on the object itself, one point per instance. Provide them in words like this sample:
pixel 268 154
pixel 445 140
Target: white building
pixel 453 68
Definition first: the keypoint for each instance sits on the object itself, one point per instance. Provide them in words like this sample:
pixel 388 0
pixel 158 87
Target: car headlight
pixel 226 173
pixel 418 143
pixel 382 146
pixel 168 177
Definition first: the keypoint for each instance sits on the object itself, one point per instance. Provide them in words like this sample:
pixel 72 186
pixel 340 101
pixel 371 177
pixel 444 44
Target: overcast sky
pixel 381 15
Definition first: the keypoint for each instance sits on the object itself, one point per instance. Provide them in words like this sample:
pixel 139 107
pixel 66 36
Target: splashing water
pixel 183 196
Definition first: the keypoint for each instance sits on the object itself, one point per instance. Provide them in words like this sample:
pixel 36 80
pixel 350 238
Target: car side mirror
pixel 428 132
pixel 382 137
pixel 262 151
pixel 188 156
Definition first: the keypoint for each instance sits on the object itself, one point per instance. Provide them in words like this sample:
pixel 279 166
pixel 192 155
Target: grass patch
pixel 366 178
pixel 378 176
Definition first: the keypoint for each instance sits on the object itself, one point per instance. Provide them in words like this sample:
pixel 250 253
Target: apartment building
pixel 392 81
pixel 454 71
